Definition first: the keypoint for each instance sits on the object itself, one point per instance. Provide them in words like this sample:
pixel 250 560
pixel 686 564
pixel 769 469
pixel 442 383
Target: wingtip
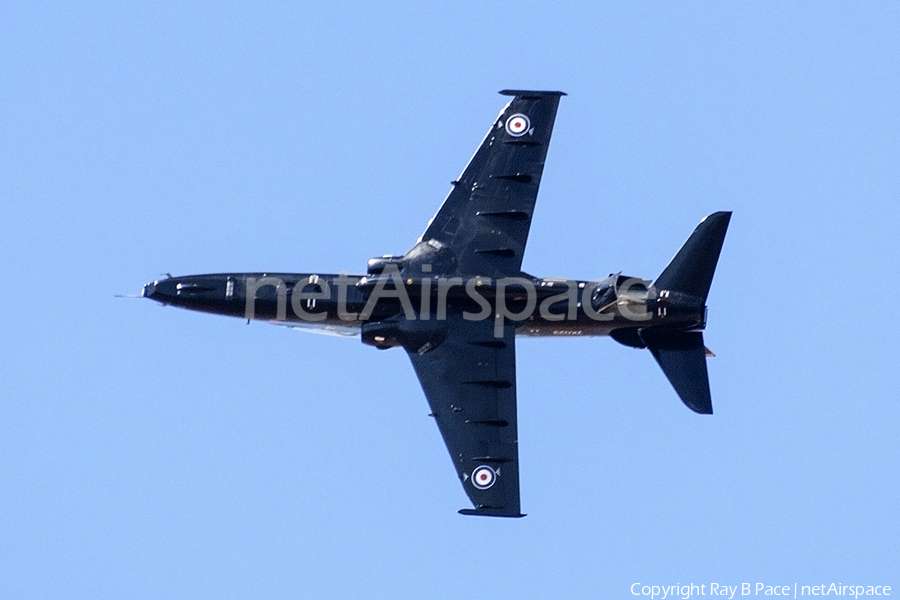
pixel 532 93
pixel 481 512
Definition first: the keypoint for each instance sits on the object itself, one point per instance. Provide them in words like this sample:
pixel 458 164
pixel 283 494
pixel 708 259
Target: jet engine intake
pixel 377 265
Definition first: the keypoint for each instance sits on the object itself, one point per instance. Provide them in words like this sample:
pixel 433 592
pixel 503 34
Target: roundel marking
pixel 483 477
pixel 517 125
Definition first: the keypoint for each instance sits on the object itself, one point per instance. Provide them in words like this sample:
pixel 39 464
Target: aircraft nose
pixel 164 291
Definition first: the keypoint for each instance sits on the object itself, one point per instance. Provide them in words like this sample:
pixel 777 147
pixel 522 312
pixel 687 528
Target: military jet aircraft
pixel 458 298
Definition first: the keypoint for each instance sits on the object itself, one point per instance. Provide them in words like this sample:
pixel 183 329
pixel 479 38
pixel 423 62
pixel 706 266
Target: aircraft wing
pixel 470 382
pixel 485 219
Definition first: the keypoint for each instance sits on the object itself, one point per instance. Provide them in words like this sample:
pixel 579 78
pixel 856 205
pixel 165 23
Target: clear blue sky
pixel 147 452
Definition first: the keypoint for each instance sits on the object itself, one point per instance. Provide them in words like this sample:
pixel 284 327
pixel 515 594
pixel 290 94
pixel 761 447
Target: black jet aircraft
pixel 458 298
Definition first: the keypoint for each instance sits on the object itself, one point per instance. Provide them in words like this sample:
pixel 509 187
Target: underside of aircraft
pixel 456 301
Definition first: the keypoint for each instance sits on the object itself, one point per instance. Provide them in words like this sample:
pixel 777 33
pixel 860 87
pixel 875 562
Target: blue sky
pixel 147 452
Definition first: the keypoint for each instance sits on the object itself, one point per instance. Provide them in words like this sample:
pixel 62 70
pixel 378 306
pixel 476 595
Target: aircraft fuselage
pixel 345 304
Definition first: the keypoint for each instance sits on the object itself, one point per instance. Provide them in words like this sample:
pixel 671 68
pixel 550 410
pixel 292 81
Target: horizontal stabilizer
pixel 691 271
pixel 682 357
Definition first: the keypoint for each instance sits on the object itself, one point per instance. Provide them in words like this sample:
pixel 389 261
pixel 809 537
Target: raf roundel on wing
pixel 517 125
pixel 483 477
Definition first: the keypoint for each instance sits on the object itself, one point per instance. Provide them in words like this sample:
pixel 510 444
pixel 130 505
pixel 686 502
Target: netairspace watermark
pixel 795 590
pixel 627 297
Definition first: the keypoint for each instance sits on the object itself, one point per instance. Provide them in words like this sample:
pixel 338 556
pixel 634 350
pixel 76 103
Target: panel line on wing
pixel 513 214
pixel 492 423
pixel 518 177
pixel 502 252
pixel 487 343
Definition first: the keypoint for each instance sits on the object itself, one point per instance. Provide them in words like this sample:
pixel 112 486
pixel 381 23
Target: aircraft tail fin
pixel 682 357
pixel 691 271
pixel 680 352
